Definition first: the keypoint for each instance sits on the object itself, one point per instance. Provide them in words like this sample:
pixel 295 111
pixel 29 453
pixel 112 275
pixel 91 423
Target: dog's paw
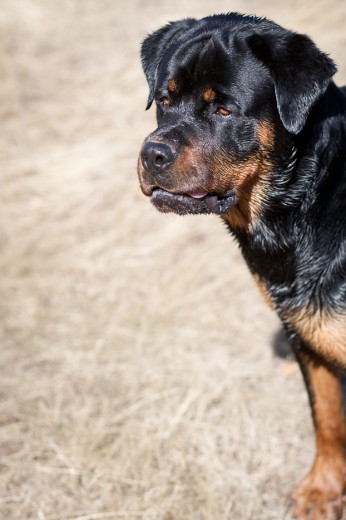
pixel 319 497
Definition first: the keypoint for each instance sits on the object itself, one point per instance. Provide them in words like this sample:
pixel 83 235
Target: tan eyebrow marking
pixel 172 85
pixel 209 95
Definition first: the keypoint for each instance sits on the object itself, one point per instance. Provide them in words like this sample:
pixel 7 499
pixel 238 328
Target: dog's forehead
pixel 213 58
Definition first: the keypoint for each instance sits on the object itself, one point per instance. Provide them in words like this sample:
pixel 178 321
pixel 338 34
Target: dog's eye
pixel 223 111
pixel 165 101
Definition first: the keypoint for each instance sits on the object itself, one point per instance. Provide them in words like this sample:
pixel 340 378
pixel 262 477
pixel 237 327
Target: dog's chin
pixel 185 204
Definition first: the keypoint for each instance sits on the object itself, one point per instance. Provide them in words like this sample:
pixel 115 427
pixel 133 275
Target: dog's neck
pixel 309 192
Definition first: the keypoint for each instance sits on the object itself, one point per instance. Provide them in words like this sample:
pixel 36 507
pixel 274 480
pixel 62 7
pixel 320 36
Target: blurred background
pixel 137 378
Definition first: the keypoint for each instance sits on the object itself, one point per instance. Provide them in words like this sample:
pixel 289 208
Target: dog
pixel 252 128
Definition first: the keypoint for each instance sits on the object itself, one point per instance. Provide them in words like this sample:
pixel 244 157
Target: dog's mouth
pixel 192 203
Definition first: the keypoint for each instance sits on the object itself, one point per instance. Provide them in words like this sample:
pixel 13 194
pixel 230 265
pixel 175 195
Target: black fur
pixel 285 79
pixel 233 77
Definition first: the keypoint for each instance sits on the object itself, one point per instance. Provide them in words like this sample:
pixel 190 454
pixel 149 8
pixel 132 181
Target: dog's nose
pixel 156 156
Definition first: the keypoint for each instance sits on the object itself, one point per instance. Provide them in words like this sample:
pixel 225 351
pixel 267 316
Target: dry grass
pixel 137 378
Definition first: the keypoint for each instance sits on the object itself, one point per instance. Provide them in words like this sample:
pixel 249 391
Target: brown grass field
pixel 138 378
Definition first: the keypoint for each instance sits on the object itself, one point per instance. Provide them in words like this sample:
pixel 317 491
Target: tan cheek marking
pixel 250 178
pixel 209 95
pixel 324 332
pixel 248 206
pixel 266 135
pixel 172 85
pixel 186 168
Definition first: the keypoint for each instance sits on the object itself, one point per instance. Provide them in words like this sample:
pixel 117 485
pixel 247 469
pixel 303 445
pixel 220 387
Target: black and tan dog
pixel 252 128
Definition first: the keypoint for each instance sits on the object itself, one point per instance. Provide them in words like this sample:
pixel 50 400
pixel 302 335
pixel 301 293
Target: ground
pixel 138 378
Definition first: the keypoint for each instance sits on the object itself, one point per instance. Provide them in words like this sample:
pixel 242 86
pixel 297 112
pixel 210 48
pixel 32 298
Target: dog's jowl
pixel 252 128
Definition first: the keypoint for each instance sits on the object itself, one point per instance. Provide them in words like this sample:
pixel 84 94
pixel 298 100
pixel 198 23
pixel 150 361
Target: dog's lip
pixel 197 201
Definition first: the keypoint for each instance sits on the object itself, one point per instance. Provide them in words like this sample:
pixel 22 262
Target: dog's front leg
pixel 319 496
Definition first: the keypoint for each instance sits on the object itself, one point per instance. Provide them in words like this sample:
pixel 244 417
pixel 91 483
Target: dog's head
pixel 231 93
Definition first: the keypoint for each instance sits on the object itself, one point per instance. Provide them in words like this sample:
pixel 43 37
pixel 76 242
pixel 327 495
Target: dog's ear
pixel 300 71
pixel 153 48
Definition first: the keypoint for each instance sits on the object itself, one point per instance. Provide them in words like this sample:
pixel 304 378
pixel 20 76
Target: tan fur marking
pixel 185 166
pixel 209 95
pixel 246 180
pixel 172 85
pixel 250 179
pixel 324 332
pixel 264 291
pixel 266 135
pixel 325 483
